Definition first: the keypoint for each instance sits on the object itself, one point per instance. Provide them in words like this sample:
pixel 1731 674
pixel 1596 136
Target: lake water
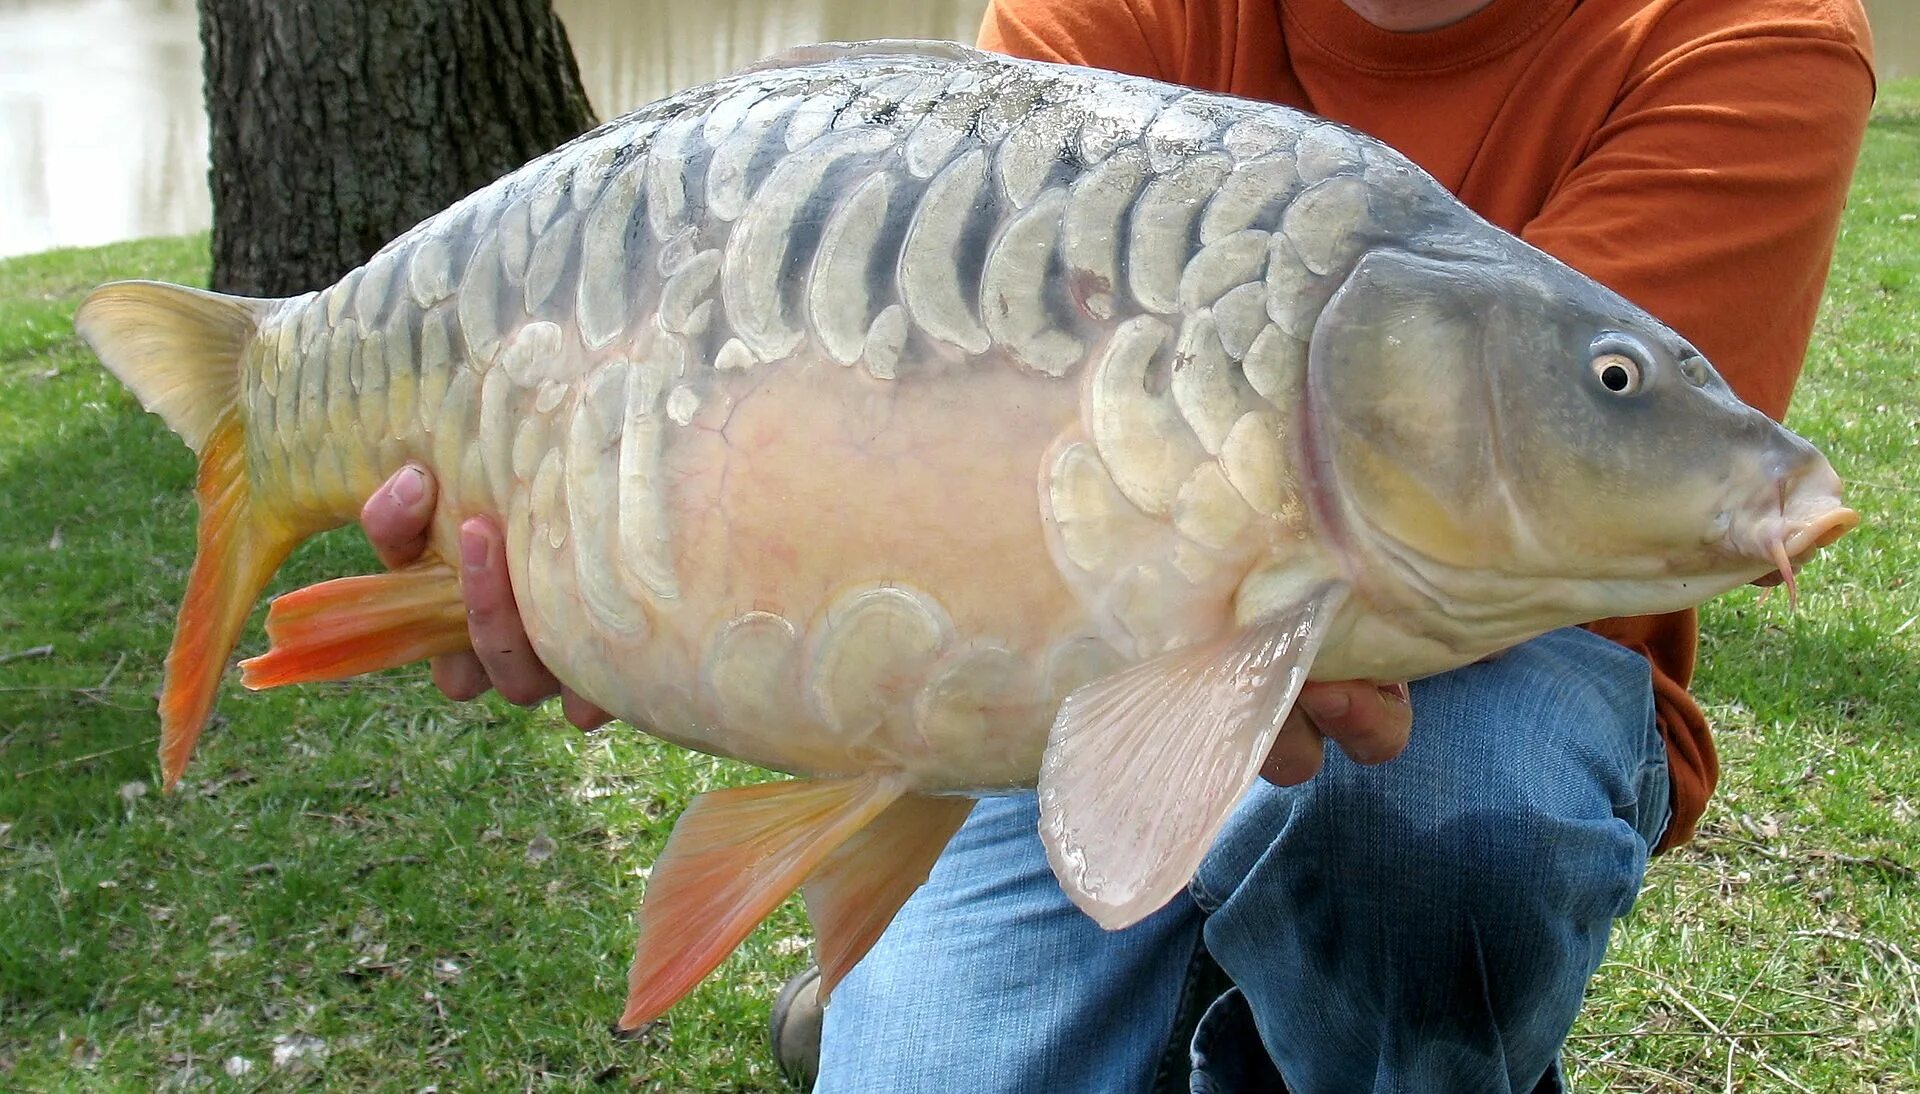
pixel 103 132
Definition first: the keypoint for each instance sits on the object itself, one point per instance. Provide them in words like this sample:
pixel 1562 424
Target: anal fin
pixel 733 857
pixel 856 890
pixel 1143 767
pixel 354 625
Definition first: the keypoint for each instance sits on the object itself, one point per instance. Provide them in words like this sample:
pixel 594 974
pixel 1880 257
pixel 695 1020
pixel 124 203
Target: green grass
pixel 443 894
pixel 440 893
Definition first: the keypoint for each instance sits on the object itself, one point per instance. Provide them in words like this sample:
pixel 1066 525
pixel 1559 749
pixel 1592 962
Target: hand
pixel 397 520
pixel 1370 722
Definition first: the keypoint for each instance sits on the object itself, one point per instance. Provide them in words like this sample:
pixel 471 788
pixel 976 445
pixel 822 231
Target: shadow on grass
pixel 1838 671
pixel 1900 121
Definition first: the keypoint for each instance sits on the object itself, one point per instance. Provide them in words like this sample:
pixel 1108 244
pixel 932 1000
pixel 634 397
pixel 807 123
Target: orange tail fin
pixel 238 555
pixel 353 625
pixel 854 893
pixel 733 857
pixel 181 351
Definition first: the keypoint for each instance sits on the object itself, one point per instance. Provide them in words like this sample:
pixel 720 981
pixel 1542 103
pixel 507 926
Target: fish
pixel 924 425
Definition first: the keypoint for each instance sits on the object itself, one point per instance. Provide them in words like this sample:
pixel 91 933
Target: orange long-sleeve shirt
pixel 1692 155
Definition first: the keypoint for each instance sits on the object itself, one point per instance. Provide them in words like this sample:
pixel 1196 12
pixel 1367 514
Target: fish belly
pixel 850 574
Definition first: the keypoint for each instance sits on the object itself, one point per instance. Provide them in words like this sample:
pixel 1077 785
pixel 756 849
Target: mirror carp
pixel 928 424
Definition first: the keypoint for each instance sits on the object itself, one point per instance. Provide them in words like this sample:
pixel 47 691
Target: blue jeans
pixel 1429 924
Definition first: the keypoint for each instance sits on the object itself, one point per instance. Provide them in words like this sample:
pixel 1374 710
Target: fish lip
pixel 1799 534
pixel 1822 530
pixel 1801 509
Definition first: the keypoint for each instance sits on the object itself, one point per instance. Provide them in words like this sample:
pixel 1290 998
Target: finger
pixel 493 619
pixel 581 712
pixel 1296 753
pixel 1369 722
pixel 460 676
pixel 399 515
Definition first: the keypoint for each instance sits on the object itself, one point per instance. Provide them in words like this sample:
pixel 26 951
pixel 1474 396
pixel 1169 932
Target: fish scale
pixel 540 279
pixel 536 279
pixel 928 424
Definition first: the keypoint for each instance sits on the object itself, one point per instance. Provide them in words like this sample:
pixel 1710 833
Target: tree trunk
pixel 338 124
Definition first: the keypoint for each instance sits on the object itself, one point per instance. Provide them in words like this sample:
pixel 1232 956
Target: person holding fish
pixel 1422 906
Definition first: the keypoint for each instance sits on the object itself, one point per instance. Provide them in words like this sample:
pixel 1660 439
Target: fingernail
pixel 1398 693
pixel 473 550
pixel 1327 704
pixel 409 486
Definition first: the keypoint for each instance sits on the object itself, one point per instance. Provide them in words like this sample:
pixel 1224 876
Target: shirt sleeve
pixel 1116 35
pixel 1712 197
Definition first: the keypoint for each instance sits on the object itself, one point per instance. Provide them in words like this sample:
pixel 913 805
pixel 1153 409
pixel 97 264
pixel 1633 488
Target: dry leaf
pixel 83 1053
pixel 294 1050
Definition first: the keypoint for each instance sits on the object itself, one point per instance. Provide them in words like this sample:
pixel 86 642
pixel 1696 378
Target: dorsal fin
pixel 824 52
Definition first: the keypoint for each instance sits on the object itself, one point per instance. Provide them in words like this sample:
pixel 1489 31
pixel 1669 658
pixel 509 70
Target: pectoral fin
pixel 1143 767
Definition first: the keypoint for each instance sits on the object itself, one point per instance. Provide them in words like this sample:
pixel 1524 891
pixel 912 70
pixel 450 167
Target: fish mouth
pixel 1788 539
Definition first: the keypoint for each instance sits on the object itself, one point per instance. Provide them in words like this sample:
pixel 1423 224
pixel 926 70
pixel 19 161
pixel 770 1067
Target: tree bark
pixel 338 124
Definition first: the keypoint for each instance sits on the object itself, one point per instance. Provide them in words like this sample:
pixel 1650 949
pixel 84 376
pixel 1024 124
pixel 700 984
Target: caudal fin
pixel 180 352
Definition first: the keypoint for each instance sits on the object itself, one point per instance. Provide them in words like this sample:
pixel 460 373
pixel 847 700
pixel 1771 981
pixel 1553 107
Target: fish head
pixel 1492 427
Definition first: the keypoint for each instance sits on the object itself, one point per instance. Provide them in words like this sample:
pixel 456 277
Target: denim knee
pixel 1431 923
pixel 1376 877
pixel 1539 778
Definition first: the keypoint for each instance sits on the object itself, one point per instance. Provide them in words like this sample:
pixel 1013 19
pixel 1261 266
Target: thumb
pixel 399 515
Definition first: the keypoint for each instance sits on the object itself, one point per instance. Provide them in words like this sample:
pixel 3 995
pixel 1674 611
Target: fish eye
pixel 1617 365
pixel 1618 373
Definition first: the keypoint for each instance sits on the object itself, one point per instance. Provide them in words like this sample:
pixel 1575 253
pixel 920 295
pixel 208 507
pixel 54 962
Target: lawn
pixel 369 886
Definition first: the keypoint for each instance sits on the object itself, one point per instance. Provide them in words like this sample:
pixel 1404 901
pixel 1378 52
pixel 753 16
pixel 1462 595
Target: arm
pixel 1370 723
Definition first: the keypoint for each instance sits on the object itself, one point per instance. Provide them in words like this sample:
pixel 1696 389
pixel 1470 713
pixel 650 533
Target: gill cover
pixel 1401 414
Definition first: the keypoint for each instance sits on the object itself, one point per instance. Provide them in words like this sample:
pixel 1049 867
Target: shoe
pixel 794 1031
